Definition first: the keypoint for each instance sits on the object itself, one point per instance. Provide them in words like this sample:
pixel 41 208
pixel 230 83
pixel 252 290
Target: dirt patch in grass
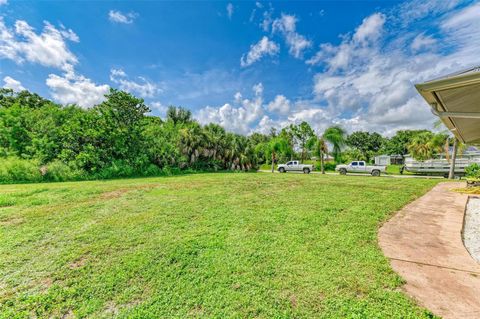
pixel 14 221
pixel 114 194
pixel 111 308
pixel 78 263
pixel 122 191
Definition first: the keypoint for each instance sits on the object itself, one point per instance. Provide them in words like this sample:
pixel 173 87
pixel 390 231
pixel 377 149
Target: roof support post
pixel 451 174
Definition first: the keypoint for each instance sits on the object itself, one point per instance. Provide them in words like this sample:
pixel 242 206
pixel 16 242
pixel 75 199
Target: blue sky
pixel 248 66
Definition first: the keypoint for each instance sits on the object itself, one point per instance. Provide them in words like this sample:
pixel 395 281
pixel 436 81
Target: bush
pixel 328 166
pixel 152 170
pixel 14 169
pixel 473 171
pixel 58 171
pixel 116 169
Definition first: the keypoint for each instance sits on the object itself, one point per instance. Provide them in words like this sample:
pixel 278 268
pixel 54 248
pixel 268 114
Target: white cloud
pixel 296 42
pixel 142 86
pixel 371 29
pixel 230 9
pixel 267 20
pixel 259 50
pixel 258 89
pixel 76 89
pixel 238 118
pixel 411 11
pixel 358 47
pixel 422 41
pixel 280 105
pixel 48 48
pixel 11 83
pixel 368 81
pixel 3 2
pixel 119 17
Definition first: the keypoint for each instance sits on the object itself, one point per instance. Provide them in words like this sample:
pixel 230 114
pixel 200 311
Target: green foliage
pixel 14 169
pixel 179 115
pixel 118 138
pixel 473 171
pixel 328 166
pixel 336 136
pixel 368 144
pixel 58 171
pixel 304 137
pixel 353 155
pixel 425 145
pixel 398 144
pixel 113 139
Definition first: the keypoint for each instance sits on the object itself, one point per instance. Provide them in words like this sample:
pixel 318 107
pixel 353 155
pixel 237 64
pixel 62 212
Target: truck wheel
pixel 306 170
pixel 281 170
pixel 343 171
pixel 375 172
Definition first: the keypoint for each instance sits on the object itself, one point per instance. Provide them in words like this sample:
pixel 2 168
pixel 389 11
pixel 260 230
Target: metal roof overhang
pixel 455 98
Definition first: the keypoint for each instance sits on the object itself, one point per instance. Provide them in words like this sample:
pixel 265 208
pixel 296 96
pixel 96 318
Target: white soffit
pixel 455 98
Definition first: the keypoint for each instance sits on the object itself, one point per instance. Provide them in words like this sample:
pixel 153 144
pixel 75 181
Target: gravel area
pixel 471 231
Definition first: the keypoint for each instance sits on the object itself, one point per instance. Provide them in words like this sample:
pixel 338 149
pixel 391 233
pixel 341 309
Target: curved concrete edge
pixel 424 244
pixel 471 227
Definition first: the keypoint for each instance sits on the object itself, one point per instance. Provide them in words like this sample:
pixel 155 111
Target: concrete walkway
pixel 424 244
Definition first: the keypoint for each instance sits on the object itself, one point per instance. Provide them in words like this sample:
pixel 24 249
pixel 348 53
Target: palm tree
pixel 191 142
pixel 214 142
pixel 319 146
pixel 275 146
pixel 336 136
pixel 425 145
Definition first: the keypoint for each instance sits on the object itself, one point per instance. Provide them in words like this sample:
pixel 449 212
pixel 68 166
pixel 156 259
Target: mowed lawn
pixel 225 245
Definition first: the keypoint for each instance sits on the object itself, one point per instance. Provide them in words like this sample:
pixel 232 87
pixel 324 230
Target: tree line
pixel 119 138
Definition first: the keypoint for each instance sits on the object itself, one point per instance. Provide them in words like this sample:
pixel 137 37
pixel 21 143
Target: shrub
pixel 152 170
pixel 473 171
pixel 58 171
pixel 15 169
pixel 116 169
pixel 329 166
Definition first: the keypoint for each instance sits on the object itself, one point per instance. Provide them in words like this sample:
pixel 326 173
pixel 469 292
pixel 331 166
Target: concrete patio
pixel 424 244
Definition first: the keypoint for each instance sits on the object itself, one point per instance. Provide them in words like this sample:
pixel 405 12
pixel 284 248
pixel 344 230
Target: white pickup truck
pixel 360 167
pixel 295 166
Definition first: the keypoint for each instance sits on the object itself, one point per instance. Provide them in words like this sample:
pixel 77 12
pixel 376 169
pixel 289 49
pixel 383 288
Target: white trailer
pixel 439 166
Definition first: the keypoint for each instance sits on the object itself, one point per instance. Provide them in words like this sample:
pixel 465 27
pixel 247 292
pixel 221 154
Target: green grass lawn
pixel 395 170
pixel 209 245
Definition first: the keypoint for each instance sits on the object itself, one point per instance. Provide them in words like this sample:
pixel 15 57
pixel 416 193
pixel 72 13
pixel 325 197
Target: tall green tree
pixel 398 144
pixel 336 136
pixel 367 143
pixel 120 120
pixel 179 115
pixel 303 135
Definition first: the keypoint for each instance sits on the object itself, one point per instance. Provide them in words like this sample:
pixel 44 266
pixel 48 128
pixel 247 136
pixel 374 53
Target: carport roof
pixel 455 98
